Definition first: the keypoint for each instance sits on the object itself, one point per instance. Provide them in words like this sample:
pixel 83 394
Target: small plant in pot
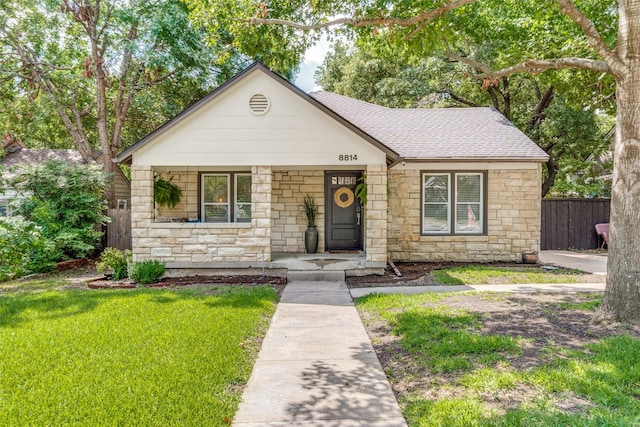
pixel 311 234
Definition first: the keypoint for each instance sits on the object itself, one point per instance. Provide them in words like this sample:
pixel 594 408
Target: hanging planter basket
pixel 166 193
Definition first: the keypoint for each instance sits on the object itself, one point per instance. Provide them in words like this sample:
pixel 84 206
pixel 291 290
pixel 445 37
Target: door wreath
pixel 337 197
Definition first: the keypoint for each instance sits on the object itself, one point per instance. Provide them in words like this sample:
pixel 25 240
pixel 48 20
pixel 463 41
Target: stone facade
pixel 376 215
pixel 392 227
pixel 513 219
pixel 200 244
pixel 288 221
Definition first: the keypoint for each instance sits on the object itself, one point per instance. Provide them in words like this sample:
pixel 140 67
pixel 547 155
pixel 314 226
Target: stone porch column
pixel 141 210
pixel 261 179
pixel 376 216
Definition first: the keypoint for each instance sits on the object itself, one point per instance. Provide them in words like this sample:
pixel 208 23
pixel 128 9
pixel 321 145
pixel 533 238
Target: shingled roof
pixel 443 133
pixel 16 160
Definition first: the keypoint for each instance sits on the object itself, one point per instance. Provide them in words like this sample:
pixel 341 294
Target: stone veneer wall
pixel 376 215
pixel 200 244
pixel 187 180
pixel 288 221
pixel 513 219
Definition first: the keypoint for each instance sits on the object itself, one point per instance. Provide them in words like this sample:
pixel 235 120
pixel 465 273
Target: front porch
pixel 353 264
pixel 269 235
pixel 318 266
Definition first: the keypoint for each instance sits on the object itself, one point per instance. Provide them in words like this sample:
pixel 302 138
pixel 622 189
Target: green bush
pixel 149 271
pixel 23 249
pixel 115 260
pixel 66 201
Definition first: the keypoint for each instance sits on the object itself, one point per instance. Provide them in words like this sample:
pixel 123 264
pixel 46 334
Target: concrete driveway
pixel 595 263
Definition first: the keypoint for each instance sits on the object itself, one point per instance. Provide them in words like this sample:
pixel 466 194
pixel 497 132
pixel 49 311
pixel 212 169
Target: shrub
pixel 149 271
pixel 23 249
pixel 66 201
pixel 115 260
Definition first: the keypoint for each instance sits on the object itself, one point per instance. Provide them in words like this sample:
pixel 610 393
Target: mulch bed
pixel 246 280
pixel 419 273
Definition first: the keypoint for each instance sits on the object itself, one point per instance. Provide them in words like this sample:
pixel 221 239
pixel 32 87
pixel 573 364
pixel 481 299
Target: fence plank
pixel 570 223
pixel 118 232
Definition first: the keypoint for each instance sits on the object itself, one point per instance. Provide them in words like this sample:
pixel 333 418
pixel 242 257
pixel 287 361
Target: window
pixel 436 214
pixel 453 203
pixel 226 197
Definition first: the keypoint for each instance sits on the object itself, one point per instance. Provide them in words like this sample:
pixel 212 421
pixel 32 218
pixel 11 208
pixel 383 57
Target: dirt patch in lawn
pixel 545 325
pixel 420 273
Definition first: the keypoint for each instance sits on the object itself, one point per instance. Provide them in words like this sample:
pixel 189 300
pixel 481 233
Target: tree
pixel 593 36
pixel 66 203
pixel 90 60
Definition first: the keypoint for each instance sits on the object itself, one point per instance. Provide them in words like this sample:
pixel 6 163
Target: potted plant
pixel 311 234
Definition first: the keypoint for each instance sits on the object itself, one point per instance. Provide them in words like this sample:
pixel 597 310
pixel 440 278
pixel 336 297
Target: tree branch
pixel 472 62
pixel 390 21
pixel 545 101
pixel 459 99
pixel 123 96
pixel 46 85
pixel 594 39
pixel 535 66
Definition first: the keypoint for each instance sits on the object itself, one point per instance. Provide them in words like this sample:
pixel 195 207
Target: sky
pixel 312 59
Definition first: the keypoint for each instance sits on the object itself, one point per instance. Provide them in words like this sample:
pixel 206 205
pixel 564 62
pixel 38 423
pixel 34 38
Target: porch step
pixel 316 276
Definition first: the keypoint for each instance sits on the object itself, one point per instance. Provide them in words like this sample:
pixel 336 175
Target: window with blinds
pixel 453 202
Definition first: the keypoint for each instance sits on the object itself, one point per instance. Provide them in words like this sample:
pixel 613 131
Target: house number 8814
pixel 347 157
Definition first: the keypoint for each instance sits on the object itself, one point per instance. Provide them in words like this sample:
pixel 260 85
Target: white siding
pixel 226 132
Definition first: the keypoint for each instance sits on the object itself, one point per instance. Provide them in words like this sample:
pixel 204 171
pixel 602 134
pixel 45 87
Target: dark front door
pixel 344 214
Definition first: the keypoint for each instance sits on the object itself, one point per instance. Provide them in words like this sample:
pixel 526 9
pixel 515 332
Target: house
pixel 17 156
pixel 442 184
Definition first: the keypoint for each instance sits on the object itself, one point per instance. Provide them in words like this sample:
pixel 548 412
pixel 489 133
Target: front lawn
pixel 142 356
pixel 477 359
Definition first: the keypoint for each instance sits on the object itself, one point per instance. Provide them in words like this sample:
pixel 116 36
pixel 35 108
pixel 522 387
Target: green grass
pixel 593 301
pixel 479 274
pixel 152 357
pixel 440 338
pixel 598 385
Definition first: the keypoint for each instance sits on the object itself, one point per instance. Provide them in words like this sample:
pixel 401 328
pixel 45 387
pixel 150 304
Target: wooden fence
pixel 118 232
pixel 569 223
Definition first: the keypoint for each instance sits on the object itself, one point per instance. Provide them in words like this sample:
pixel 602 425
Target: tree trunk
pixel 552 172
pixel 622 296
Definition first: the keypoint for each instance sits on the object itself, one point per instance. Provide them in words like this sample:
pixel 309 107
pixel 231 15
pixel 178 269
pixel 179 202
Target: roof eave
pixel 540 159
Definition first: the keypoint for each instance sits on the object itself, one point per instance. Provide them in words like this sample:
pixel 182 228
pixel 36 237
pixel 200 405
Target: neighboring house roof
pixel 437 133
pixel 13 161
pixel 421 134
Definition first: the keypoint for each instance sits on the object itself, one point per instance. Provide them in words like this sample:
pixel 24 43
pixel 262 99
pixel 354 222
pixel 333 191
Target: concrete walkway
pixel 317 366
pixel 595 263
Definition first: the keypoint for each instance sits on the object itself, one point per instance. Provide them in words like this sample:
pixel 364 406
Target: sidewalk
pixel 524 288
pixel 317 366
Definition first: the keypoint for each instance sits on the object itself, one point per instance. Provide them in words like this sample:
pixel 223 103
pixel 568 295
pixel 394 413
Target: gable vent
pixel 259 104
